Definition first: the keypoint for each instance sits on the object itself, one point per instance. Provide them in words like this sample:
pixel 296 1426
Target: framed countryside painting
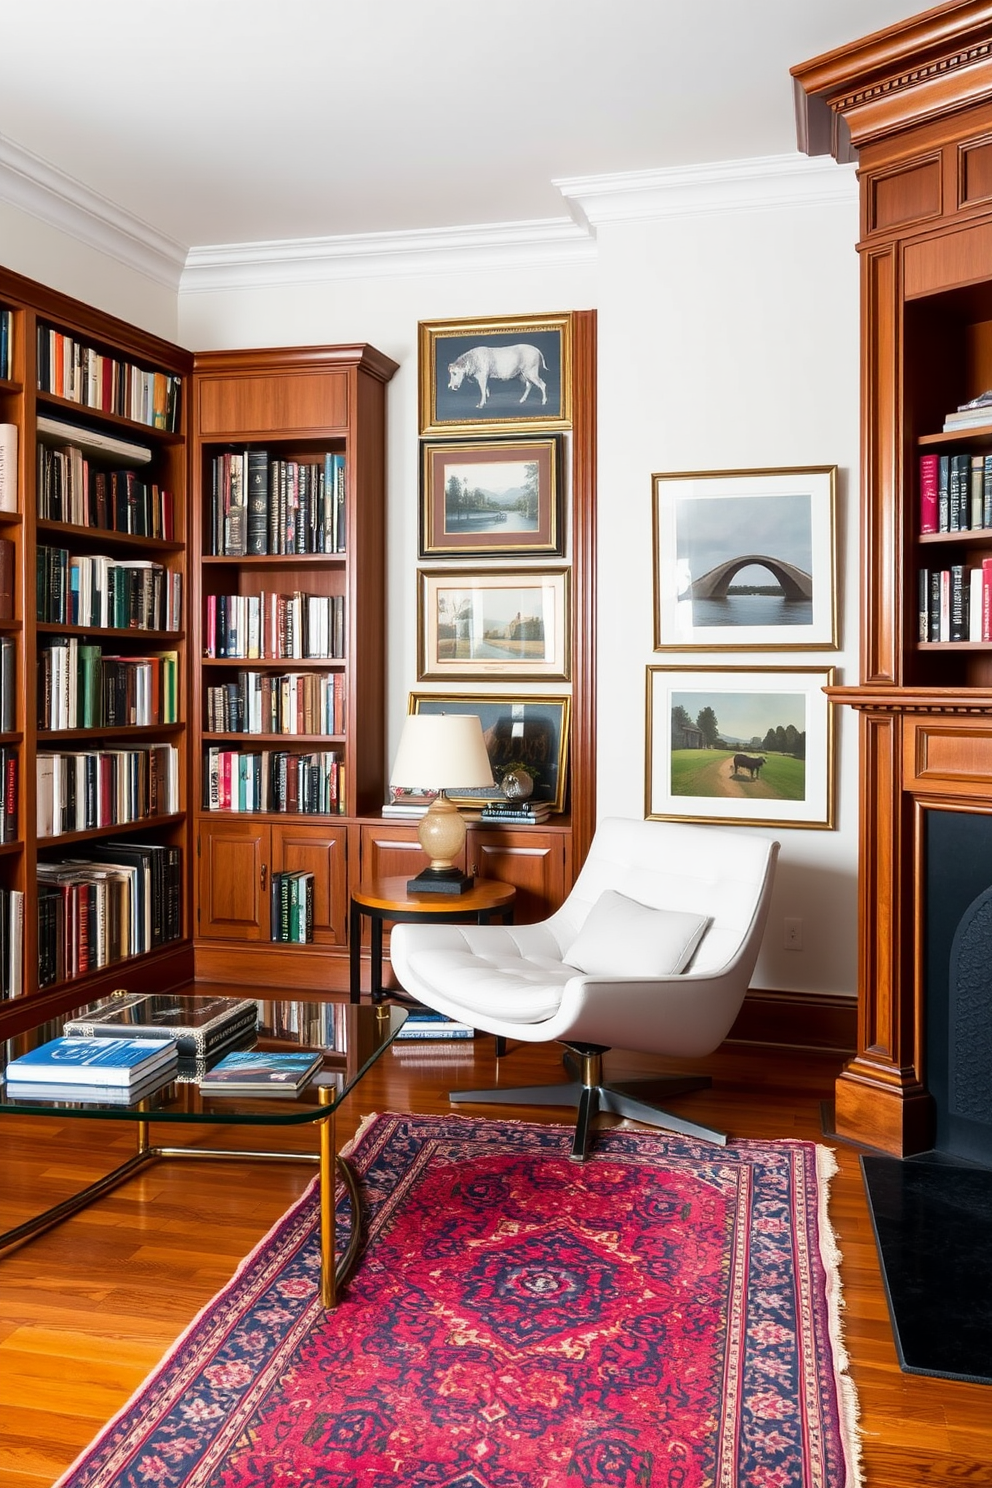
pixel 744 560
pixel 532 731
pixel 493 624
pixel 751 746
pixel 510 374
pixel 492 498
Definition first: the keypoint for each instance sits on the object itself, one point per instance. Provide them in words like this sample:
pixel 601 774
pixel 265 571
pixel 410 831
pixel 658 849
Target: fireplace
pixel 958 981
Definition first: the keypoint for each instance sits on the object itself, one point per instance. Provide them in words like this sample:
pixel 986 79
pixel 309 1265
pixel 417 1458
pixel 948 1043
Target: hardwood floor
pixel 88 1309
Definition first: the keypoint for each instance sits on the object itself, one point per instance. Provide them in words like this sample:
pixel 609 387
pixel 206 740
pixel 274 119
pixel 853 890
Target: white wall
pixel 728 340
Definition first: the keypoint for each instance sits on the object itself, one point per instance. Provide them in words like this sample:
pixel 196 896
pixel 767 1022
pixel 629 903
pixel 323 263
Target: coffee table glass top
pixel 350 1037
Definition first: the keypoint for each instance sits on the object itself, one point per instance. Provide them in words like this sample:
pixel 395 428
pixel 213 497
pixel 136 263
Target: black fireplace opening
pixel 958 981
pixel 932 1214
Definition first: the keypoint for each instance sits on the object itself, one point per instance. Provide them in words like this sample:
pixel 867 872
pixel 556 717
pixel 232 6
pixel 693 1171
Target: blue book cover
pixel 261 1071
pixel 90 1061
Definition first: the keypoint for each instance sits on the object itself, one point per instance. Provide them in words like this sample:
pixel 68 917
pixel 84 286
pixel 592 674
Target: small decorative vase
pixel 517 785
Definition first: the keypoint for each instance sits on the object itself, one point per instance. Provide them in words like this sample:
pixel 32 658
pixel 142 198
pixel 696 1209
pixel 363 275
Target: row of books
pixel 955 492
pixel 291 907
pixel 107 594
pixel 80 687
pixel 73 370
pixel 298 626
pixel 290 703
pixel 88 789
pixel 322 1025
pixel 955 603
pixel 311 784
pixel 71 489
pixel 6 343
pixel 11 942
pixel 9 768
pixel 269 506
pixel 122 899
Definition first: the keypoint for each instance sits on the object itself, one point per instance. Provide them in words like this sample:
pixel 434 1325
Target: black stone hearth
pixel 933 1228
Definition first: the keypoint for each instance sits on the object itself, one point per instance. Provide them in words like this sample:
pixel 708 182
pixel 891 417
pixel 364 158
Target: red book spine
pixel 929 479
pixel 987 599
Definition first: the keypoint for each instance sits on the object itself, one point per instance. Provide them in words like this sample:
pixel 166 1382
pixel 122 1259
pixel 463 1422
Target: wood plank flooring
pixel 88 1309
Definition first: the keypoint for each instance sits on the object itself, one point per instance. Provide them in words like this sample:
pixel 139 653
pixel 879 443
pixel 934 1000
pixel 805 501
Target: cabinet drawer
pixel 952 755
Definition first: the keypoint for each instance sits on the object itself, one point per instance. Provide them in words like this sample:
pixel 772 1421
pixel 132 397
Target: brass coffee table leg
pixel 328 1166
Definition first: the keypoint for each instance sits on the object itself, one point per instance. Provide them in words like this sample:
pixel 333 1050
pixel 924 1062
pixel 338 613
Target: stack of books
pixel 425 1023
pixel 514 814
pixel 201 1026
pixel 262 1072
pixel 977 414
pixel 117 1071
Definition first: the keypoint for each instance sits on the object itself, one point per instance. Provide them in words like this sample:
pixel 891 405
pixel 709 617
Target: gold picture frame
pixel 492 498
pixel 502 374
pixel 495 623
pixel 768 761
pixel 744 560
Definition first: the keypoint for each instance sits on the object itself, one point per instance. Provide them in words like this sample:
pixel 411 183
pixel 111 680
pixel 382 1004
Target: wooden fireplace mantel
pixel 913 105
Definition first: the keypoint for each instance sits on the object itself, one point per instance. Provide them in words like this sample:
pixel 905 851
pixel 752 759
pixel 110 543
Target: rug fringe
pixel 847 1396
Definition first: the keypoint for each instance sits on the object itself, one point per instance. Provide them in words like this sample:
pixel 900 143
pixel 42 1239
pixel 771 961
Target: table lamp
pixel 442 751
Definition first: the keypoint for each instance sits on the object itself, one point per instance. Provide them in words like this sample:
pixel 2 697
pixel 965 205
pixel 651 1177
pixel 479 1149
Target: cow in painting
pixel 500 364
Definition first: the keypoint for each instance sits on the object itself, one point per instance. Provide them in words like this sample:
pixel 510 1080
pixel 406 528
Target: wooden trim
pixel 798 1020
pixel 583 752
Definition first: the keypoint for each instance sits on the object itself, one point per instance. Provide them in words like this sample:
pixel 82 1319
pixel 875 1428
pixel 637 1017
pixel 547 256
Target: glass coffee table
pixel 350 1038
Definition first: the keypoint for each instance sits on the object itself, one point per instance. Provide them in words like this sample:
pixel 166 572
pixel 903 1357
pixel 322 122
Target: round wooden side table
pixel 381 899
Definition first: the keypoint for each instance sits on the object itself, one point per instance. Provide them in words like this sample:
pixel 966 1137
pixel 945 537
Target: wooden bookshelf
pixel 913 105
pixel 299 406
pixel 109 395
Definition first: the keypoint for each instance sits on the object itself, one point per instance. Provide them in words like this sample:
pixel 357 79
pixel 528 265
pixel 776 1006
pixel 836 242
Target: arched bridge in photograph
pixel 795 582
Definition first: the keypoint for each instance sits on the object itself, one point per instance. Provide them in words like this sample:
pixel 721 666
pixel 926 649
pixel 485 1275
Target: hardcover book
pixel 198 1024
pixel 104 1095
pixel 261 1072
pixel 122 1062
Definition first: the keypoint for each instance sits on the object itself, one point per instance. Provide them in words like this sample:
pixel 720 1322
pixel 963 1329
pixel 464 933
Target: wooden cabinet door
pixel 233 901
pixel 534 862
pixel 320 851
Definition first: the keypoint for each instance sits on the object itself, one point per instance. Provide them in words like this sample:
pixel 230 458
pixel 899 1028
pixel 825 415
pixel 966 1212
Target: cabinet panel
pixel 277 404
pixel 233 864
pixel 320 851
pixel 534 862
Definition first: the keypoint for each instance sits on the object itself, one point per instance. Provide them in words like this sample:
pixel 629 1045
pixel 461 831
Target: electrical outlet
pixel 793 938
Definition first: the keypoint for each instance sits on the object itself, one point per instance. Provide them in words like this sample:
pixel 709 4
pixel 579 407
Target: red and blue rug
pixel 665 1314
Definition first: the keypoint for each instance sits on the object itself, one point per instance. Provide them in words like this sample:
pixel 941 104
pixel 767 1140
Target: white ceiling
pixel 244 121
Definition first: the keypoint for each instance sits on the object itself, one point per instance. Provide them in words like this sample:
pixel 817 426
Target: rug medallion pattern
pixel 663 1315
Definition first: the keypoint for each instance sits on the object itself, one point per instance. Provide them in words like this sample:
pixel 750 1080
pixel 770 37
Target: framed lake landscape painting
pixel 492 498
pixel 744 560
pixel 511 374
pixel 752 746
pixel 531 731
pixel 493 624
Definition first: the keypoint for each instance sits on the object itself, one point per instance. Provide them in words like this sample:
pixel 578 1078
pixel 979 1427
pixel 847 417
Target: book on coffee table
pixel 120 1063
pixel 261 1072
pixel 55 1093
pixel 199 1025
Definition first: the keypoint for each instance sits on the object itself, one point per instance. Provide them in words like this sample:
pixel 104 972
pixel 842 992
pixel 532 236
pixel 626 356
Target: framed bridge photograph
pixel 507 375
pixel 751 745
pixel 744 560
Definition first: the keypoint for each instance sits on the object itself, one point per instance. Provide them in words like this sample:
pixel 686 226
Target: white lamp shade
pixel 442 751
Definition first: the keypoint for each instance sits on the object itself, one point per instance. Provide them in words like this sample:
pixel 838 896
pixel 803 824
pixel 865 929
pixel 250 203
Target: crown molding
pixel 766 181
pixel 552 242
pixel 43 191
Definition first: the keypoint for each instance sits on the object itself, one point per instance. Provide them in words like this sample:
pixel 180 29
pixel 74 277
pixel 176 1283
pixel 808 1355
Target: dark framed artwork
pixel 511 373
pixel 528 730
pixel 492 498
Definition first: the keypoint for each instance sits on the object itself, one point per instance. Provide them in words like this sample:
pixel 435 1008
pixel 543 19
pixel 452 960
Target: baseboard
pixel 801 1020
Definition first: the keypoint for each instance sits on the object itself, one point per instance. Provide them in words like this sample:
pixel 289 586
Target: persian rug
pixel 666 1314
